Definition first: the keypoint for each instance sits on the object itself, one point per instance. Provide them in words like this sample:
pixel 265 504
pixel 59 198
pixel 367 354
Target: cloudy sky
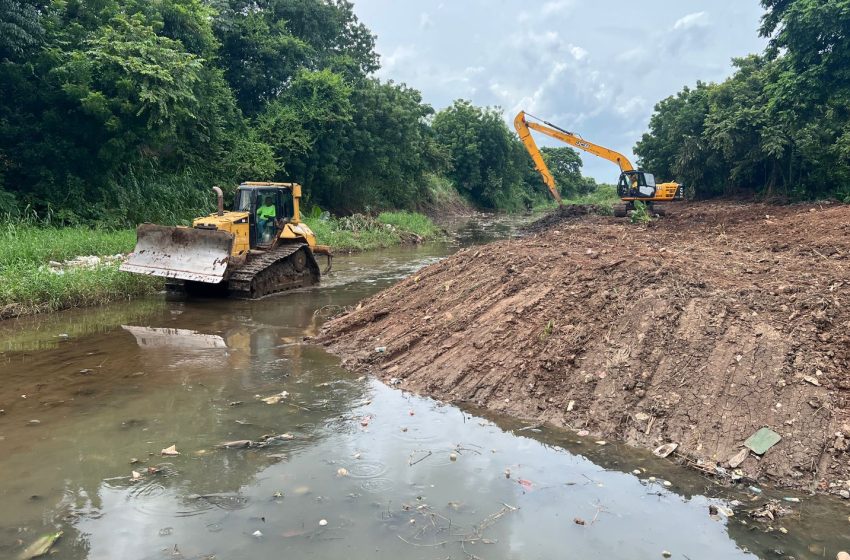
pixel 594 67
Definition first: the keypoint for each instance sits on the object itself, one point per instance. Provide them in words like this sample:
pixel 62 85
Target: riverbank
pixel 44 269
pixel 699 330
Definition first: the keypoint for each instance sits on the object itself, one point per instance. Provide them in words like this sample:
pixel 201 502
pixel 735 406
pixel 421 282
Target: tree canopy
pixel 779 126
pixel 120 111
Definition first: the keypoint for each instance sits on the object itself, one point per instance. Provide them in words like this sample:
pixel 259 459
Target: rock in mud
pixel 738 458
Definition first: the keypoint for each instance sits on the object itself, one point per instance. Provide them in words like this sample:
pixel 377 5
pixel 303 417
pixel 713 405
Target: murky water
pixel 361 471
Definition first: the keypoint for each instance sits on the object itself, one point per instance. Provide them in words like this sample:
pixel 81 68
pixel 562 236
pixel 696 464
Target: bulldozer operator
pixel 266 216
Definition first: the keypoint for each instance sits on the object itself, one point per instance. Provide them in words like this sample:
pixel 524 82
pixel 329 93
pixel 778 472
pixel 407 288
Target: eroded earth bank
pixel 698 329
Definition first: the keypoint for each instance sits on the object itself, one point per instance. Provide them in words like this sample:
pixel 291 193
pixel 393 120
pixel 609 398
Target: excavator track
pixel 283 268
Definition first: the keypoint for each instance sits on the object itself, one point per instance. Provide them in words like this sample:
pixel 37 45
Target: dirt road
pixel 698 329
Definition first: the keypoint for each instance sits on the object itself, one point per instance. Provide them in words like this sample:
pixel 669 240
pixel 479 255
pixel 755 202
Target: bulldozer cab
pixel 636 184
pixel 264 223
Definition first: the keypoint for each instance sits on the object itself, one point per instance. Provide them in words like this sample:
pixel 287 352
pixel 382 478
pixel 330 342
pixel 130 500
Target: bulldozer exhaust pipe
pixel 220 200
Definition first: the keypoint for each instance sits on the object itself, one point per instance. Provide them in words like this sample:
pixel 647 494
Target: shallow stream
pixel 357 469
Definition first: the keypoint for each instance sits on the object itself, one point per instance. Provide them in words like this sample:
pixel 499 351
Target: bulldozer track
pixel 283 268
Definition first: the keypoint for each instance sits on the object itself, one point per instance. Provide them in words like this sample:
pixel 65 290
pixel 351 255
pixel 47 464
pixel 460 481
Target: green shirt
pixel 266 212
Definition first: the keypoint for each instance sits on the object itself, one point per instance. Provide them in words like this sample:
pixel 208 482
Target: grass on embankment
pixel 363 233
pixel 604 196
pixel 29 285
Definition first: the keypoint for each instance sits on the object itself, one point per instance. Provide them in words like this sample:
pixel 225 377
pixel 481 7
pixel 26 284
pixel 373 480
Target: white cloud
pixel 631 107
pixel 696 19
pixel 390 62
pixel 556 7
pixel 577 52
pixel 564 60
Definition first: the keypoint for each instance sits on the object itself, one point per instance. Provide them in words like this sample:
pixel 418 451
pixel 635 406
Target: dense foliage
pixel 780 126
pixel 121 111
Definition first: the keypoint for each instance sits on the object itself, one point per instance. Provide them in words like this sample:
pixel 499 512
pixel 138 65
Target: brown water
pixel 113 385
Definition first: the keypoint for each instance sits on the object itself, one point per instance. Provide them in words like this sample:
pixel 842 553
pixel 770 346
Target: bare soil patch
pixel 699 329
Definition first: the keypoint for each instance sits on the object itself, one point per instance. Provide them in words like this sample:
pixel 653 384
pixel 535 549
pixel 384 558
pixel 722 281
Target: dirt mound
pixel 562 214
pixel 698 329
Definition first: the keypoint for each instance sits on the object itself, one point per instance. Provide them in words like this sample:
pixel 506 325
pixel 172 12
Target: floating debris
pixel 665 450
pixel 275 399
pixel 40 547
pixel 170 451
pixel 236 444
pixel 772 510
pixel 323 522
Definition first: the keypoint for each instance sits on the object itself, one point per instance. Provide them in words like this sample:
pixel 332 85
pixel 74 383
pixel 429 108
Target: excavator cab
pixel 636 184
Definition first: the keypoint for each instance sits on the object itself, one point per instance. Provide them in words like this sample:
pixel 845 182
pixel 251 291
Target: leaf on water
pixel 170 451
pixel 524 483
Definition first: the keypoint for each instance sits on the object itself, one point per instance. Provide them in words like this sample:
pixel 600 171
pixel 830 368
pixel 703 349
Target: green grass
pixel 363 233
pixel 605 196
pixel 28 285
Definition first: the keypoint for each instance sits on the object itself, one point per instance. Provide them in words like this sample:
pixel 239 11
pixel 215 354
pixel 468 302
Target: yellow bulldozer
pixel 261 247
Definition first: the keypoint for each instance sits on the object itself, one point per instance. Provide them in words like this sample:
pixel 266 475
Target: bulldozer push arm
pixel 522 127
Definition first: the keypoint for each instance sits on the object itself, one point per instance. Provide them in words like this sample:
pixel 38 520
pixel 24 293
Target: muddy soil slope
pixel 698 329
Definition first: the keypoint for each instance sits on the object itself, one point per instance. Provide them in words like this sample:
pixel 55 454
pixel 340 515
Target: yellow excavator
pixel 633 184
pixel 259 248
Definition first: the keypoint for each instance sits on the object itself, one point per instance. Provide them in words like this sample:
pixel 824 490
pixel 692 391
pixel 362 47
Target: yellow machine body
pixel 633 184
pixel 223 242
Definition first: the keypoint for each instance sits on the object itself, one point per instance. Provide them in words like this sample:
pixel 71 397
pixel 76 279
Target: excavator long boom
pixel 522 127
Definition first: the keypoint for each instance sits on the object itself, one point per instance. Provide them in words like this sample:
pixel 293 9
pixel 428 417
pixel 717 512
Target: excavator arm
pixel 524 127
pixel 521 127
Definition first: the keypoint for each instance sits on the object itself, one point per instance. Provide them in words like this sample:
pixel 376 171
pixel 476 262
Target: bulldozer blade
pixel 201 255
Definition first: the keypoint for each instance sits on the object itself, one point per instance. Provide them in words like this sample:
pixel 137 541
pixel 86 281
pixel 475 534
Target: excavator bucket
pixel 200 255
